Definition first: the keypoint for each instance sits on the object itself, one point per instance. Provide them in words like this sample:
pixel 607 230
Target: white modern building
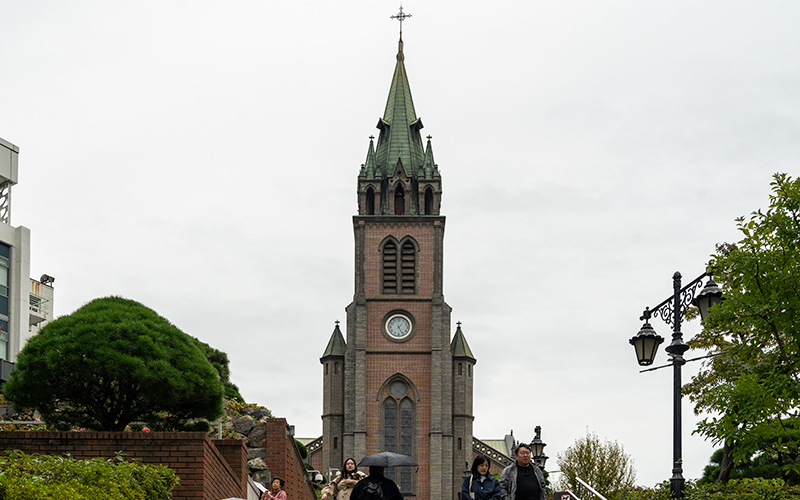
pixel 25 304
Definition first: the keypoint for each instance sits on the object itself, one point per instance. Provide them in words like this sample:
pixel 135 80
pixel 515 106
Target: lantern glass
pixel 537 447
pixel 646 344
pixel 710 296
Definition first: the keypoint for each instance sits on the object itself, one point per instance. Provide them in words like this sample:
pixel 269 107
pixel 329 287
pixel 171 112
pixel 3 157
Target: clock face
pixel 398 326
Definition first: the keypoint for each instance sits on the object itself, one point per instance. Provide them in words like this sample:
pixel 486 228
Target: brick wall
pixel 284 461
pixel 203 468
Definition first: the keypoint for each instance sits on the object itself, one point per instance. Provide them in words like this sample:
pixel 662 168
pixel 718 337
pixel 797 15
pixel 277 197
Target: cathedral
pixel 399 381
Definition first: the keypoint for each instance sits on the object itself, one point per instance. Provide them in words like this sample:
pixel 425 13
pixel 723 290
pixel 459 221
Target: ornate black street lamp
pixel 646 342
pixel 537 448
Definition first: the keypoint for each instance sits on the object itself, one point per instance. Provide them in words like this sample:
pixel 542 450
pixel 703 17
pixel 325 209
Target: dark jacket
pixel 488 489
pixel 508 482
pixel 390 490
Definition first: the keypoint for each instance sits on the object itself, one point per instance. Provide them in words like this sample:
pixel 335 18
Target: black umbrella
pixel 387 459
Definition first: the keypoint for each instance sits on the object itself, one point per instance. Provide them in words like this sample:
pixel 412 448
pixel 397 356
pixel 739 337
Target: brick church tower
pixel 399 382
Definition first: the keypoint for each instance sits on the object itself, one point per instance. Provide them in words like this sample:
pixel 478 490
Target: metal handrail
pixel 591 490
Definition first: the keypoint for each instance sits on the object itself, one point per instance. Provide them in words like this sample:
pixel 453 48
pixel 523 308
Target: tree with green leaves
pixel 219 360
pixel 602 464
pixel 111 362
pixel 753 388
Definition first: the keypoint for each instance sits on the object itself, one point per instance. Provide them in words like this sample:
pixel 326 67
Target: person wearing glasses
pixel 522 480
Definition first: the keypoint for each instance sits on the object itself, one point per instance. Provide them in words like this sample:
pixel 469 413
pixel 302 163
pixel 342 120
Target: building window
pixel 399 271
pixel 326 368
pixel 3 339
pixel 336 367
pixel 5 255
pixel 335 442
pixel 390 267
pixel 428 201
pixel 409 267
pixel 460 368
pixel 370 201
pixel 459 443
pixel 398 432
pixel 399 200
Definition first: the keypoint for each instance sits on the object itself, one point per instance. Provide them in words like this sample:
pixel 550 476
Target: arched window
pixel 390 267
pixel 398 432
pixel 370 201
pixel 399 200
pixel 428 201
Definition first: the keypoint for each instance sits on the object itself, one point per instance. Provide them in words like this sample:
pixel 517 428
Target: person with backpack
pixel 376 486
pixel 480 485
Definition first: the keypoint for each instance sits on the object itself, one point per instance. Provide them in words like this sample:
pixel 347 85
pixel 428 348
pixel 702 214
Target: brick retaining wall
pixel 204 467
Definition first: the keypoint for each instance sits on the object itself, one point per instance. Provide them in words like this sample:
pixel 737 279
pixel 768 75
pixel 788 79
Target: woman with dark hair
pixel 277 492
pixel 342 486
pixel 480 485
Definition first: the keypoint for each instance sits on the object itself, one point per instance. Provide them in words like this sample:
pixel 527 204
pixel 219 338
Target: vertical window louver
pixel 390 267
pixel 409 268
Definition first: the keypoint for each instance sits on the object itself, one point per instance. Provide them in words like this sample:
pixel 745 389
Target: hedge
pixel 36 477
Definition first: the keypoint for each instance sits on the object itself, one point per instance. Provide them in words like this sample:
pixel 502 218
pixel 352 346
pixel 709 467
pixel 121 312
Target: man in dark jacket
pixel 522 480
pixel 376 487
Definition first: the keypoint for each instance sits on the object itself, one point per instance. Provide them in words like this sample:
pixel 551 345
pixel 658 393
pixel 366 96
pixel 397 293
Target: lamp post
pixel 537 448
pixel 646 342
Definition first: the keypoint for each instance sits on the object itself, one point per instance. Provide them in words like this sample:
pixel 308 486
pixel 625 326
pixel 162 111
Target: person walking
pixel 342 486
pixel 376 487
pixel 522 480
pixel 480 485
pixel 277 492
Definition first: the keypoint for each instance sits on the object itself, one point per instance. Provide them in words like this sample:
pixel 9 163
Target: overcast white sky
pixel 201 158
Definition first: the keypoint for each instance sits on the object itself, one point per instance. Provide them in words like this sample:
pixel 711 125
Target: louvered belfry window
pixel 390 267
pixel 399 271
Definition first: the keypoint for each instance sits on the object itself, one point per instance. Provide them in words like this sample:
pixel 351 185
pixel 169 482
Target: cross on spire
pixel 401 16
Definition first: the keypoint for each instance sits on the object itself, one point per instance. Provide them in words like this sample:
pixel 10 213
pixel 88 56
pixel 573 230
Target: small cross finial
pixel 458 324
pixel 429 137
pixel 337 322
pixel 371 137
pixel 401 16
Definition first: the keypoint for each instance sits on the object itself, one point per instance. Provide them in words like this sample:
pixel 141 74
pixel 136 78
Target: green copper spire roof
pixel 459 347
pixel 429 167
pixel 400 126
pixel 336 345
pixel 370 165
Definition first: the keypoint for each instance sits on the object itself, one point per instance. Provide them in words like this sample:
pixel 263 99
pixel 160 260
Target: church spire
pixel 400 138
pixel 399 176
